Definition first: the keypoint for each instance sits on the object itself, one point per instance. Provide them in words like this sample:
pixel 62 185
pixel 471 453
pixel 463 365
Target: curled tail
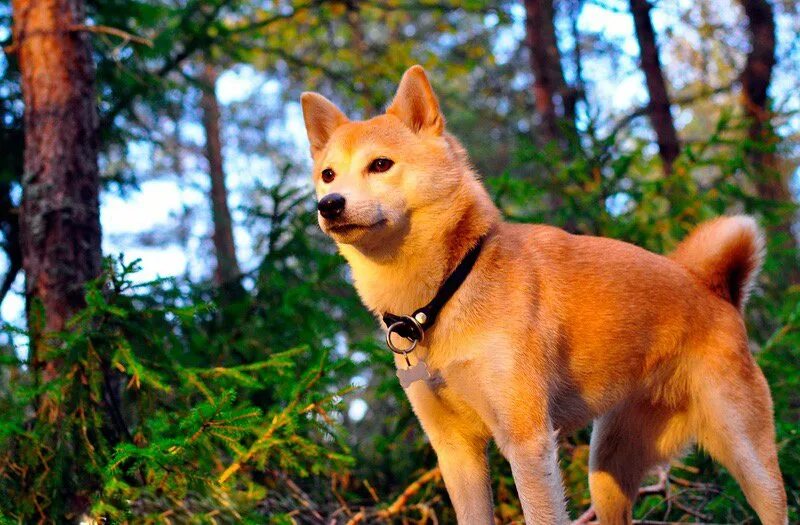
pixel 726 254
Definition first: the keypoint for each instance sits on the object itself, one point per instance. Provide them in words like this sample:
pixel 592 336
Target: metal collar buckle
pixel 417 328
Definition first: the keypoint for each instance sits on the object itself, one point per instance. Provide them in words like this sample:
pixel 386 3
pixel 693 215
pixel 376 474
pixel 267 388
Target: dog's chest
pixel 455 390
pixel 467 371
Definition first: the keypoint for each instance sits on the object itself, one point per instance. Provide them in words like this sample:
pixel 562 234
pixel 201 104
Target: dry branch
pixel 107 30
pixel 400 503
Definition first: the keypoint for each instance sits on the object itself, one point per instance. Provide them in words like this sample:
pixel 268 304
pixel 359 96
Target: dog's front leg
pixel 534 464
pixel 465 471
pixel 460 444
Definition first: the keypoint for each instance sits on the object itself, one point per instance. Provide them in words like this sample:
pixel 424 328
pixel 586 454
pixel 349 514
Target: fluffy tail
pixel 726 254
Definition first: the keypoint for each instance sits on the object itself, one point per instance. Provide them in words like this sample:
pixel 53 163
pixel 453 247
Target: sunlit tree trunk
pixel 659 105
pixel 577 91
pixel 227 272
pixel 549 87
pixel 361 46
pixel 756 79
pixel 555 101
pixel 757 74
pixel 59 216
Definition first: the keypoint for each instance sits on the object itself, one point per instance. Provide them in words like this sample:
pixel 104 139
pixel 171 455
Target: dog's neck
pixel 438 239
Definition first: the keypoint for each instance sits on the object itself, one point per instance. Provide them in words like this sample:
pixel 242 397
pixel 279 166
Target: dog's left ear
pixel 416 105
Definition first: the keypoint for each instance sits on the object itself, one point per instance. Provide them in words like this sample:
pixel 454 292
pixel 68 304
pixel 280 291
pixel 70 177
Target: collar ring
pixel 393 328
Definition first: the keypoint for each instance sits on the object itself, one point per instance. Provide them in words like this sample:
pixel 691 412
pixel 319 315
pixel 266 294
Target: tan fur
pixel 726 254
pixel 550 330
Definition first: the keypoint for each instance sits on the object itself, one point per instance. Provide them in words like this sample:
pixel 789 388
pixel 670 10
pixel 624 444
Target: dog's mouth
pixel 344 229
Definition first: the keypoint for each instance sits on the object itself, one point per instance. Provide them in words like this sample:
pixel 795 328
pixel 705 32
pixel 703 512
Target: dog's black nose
pixel 331 206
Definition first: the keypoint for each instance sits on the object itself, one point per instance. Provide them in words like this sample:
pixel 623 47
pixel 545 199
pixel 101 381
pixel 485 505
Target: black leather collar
pixel 413 326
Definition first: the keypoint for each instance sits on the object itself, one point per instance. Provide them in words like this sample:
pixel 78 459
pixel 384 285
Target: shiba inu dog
pixel 543 331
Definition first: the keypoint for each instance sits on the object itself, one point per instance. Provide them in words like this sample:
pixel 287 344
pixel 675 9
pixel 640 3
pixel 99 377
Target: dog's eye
pixel 380 165
pixel 328 175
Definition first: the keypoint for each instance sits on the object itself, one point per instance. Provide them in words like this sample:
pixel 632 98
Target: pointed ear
pixel 322 117
pixel 415 103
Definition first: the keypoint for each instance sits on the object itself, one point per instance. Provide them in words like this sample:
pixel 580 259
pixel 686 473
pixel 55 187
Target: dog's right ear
pixel 322 117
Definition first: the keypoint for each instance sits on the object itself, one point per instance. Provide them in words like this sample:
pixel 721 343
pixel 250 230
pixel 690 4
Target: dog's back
pixel 614 315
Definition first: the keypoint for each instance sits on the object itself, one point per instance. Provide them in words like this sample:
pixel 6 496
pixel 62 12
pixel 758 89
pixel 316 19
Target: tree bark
pixel 362 57
pixel 756 79
pixel 555 100
pixel 659 105
pixel 577 91
pixel 227 272
pixel 60 211
pixel 549 86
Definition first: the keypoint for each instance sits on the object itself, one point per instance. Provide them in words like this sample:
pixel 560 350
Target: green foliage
pixel 780 360
pixel 160 409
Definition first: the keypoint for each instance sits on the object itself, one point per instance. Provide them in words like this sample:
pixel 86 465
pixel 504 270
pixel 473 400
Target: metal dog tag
pixel 407 376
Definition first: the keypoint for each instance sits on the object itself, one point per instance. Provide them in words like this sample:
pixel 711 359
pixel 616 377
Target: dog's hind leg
pixel 625 444
pixel 734 419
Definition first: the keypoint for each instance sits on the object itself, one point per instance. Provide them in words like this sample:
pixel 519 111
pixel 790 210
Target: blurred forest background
pixel 181 343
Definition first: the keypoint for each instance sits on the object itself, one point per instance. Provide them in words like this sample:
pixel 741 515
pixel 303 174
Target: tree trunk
pixel 659 105
pixel 549 86
pixel 60 212
pixel 555 101
pixel 362 56
pixel 756 78
pixel 577 91
pixel 227 273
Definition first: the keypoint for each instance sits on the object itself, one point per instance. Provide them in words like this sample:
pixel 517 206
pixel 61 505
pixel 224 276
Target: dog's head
pixel 371 177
